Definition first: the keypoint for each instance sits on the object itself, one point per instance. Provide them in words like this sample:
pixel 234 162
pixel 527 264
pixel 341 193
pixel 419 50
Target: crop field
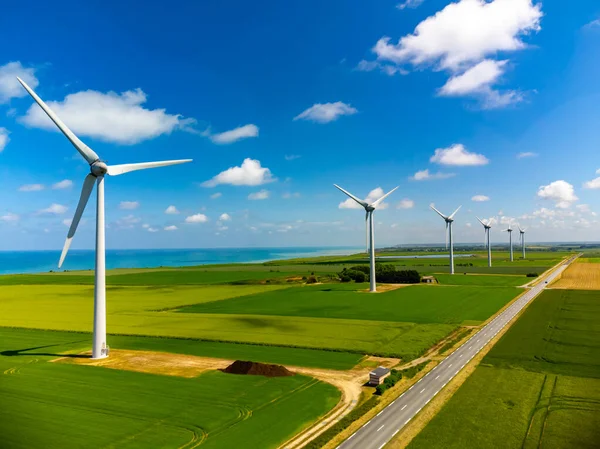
pixel 539 386
pixel 580 276
pixel 417 303
pixel 70 405
pixel 483 280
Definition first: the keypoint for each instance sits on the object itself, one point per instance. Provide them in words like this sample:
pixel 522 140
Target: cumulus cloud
pixel 250 173
pixel 388 69
pixel 171 210
pixel 225 217
pixel 291 157
pixel 151 229
pixel 326 112
pixel 64 184
pixel 405 204
pixel 196 218
pixel 289 195
pixel 242 132
pixel 373 195
pixel 128 221
pixel 110 117
pixel 129 205
pixel 526 154
pixel 9 86
pixel 56 209
pixel 480 198
pixel 9 217
pixel 425 175
pixel 561 192
pixel 216 195
pixel 411 4
pixel 260 195
pixel 31 188
pixel 171 228
pixel 593 184
pixel 458 155
pixel 4 139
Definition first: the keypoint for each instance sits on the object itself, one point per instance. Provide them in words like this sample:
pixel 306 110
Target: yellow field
pixel 580 276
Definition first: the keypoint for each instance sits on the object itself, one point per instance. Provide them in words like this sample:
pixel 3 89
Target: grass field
pixel 417 304
pixel 539 386
pixel 580 276
pixel 70 406
pixel 483 280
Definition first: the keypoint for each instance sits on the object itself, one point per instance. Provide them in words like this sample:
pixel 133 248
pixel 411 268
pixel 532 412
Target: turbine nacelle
pixel 98 168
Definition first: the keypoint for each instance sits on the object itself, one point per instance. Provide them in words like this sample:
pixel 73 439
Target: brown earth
pixel 580 276
pixel 382 288
pixel 257 369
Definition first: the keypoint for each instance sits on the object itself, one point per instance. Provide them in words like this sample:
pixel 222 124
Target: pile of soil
pixel 257 369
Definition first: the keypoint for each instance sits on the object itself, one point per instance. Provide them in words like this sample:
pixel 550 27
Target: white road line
pixel 433 379
pixel 380 428
pixel 351 436
pixel 407 421
pixel 397 430
pixel 460 356
pixel 422 391
pixel 380 412
pixel 450 366
pixel 470 347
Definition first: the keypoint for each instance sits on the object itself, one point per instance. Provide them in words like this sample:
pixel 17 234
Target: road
pixel 382 428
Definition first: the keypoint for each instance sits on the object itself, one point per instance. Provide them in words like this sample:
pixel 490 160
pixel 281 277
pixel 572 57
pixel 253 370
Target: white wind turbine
pixel 96 176
pixel 522 238
pixel 509 230
pixel 449 219
pixel 369 208
pixel 486 229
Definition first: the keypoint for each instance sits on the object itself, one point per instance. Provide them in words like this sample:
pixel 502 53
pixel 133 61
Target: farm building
pixel 377 375
pixel 429 279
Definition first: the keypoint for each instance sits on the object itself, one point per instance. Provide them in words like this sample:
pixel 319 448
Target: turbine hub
pixel 98 168
pixel 369 208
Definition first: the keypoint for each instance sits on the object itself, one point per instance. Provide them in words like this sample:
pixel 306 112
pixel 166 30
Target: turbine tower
pixel 486 229
pixel 522 239
pixel 98 169
pixel 369 208
pixel 449 219
pixel 509 230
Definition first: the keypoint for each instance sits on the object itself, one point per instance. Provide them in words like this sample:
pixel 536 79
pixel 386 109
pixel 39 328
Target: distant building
pixel 377 375
pixel 429 279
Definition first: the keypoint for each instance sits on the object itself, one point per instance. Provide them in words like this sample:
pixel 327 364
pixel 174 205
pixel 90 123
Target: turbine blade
pixel 88 154
pixel 86 190
pixel 480 221
pixel 454 213
pixel 439 213
pixel 361 202
pixel 375 203
pixel 115 170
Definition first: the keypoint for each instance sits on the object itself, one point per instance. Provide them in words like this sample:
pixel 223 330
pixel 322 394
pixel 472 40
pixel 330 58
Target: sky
pixel 492 105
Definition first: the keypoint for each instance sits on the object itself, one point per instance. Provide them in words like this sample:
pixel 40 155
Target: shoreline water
pixel 28 262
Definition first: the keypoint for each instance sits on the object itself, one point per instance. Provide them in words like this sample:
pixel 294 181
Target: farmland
pixel 539 386
pixel 582 275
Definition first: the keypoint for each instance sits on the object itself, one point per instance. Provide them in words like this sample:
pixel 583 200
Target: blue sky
pixel 453 102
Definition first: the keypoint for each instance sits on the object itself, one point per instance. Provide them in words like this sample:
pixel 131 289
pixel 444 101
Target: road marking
pixel 380 428
pixel 397 430
pixel 450 366
pixel 470 347
pixel 436 392
pixel 436 377
pixel 460 356
pixel 351 436
pixel 380 412
pixel 406 422
pixel 394 402
pixel 403 407
pixel 422 391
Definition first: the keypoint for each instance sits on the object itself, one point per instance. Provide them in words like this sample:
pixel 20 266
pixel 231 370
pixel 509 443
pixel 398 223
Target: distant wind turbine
pixel 522 238
pixel 509 230
pixel 449 219
pixel 96 176
pixel 486 229
pixel 369 208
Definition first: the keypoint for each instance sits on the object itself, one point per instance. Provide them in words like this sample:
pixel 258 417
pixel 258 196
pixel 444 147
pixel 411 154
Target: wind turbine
pixel 369 208
pixel 98 169
pixel 522 238
pixel 449 219
pixel 486 229
pixel 509 230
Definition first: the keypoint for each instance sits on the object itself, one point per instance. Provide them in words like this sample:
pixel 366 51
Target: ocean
pixel 12 262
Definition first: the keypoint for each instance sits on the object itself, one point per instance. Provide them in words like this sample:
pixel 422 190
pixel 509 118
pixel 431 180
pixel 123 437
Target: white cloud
pixel 145 226
pixel 373 195
pixel 561 192
pixel 526 154
pixel 585 208
pixel 288 195
pixel 242 132
pixel 406 204
pixel 31 188
pixel 216 195
pixel 425 175
pixel 9 86
pixel 411 4
pixel 171 228
pixel 64 184
pixel 110 117
pixel 129 205
pixel 291 157
pixel 468 225
pixel 480 198
pixel 225 217
pixel 594 24
pixel 260 195
pixel 54 208
pixel 593 184
pixel 67 222
pixel 171 210
pixel 151 229
pixel 326 112
pixel 196 218
pixel 458 155
pixel 388 69
pixel 127 222
pixel 598 171
pixel 250 173
pixel 9 217
pixel 4 139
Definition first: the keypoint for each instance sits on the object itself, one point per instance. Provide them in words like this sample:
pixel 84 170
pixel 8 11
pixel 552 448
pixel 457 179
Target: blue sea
pixel 12 262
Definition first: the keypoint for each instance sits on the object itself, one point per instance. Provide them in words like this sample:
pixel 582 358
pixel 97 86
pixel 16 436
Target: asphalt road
pixel 379 430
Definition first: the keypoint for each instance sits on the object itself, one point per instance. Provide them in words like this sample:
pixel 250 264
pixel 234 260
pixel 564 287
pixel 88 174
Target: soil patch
pixel 257 369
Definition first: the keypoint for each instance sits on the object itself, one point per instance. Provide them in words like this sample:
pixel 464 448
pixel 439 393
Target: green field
pixel 539 386
pixel 483 280
pixel 416 304
pixel 70 406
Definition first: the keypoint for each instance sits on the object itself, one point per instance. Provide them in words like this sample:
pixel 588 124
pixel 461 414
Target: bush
pixel 363 268
pixel 311 280
pixel 351 274
pixel 532 275
pixel 344 277
pixel 389 381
